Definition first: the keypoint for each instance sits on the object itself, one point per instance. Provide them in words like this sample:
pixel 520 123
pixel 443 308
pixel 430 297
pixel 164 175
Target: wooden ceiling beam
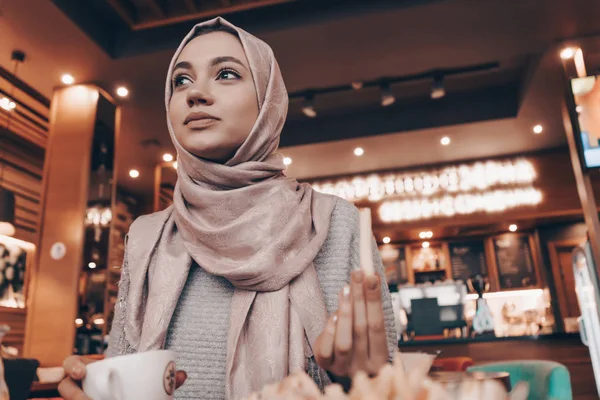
pixel 156 8
pixel 125 11
pixel 191 5
pixel 208 13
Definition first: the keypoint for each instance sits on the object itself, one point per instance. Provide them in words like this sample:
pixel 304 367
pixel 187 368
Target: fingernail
pixel 372 282
pixel 346 291
pixel 79 370
pixel 358 276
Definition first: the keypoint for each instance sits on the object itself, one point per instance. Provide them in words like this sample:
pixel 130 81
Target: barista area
pixel 479 251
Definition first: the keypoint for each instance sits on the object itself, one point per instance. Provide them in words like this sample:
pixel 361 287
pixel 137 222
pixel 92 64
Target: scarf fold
pixel 247 222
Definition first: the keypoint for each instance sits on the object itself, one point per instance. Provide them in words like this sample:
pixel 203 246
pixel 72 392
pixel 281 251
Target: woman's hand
pixel 75 366
pixel 354 338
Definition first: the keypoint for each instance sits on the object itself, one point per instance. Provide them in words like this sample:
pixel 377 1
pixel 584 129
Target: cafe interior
pixel 461 125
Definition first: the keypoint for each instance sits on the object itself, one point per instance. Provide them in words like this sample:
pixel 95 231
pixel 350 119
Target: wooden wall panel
pixel 15 318
pixel 53 300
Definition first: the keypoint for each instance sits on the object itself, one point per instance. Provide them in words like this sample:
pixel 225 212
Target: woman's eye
pixel 180 80
pixel 228 74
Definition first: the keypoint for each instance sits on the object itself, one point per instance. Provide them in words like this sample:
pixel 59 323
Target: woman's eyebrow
pixel 223 59
pixel 183 65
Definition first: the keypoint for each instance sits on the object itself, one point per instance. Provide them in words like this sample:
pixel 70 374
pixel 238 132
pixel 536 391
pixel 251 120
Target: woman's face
pixel 213 106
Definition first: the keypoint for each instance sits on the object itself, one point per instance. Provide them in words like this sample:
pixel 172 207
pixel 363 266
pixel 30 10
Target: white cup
pixel 148 375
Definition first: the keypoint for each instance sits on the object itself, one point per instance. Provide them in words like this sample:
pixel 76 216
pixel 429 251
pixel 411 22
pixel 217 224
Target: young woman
pixel 249 276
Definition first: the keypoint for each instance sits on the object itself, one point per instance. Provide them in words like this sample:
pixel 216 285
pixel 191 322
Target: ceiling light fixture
pixel 567 53
pixel 134 173
pixel 287 160
pixel 67 79
pixel 167 157
pixel 426 235
pixel 445 141
pixel 7 104
pixel 359 151
pixel 122 91
pixel 386 240
pixel 513 227
pixel 308 107
pixel 437 89
pixel 425 245
pixel 538 129
pixel 92 265
pixel 387 96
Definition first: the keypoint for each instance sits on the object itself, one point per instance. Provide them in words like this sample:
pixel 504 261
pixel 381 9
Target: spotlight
pixel 134 173
pixel 437 89
pixel 445 141
pixel 67 79
pixel 387 97
pixel 287 160
pixel 308 108
pixel 538 129
pixel 122 91
pixel 7 104
pixel 513 227
pixel 359 151
pixel 386 240
pixel 167 157
pixel 425 245
pixel 567 53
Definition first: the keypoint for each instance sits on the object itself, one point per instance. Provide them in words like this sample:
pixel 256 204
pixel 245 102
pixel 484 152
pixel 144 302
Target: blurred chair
pixel 19 374
pixel 546 379
pixel 452 364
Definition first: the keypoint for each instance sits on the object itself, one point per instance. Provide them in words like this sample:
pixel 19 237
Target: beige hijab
pixel 247 222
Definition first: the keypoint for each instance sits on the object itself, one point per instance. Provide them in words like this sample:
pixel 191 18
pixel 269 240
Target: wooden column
pixel 52 304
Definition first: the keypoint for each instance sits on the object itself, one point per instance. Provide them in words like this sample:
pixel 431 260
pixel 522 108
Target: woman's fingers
pixel 360 340
pixel 74 367
pixel 343 333
pixel 325 344
pixel 378 349
pixel 180 377
pixel 70 390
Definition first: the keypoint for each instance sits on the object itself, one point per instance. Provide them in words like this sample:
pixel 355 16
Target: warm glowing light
pixel 67 79
pixel 450 180
pixel 122 91
pixel 175 165
pixel 386 240
pixel 287 160
pixel 445 141
pixel 359 151
pixel 426 235
pixel 134 173
pixel 99 321
pixel 79 321
pixel 462 204
pixel 567 53
pixel 538 129
pixel 167 157
pixel 513 227
pixel 92 265
pixel 7 104
pixel 425 245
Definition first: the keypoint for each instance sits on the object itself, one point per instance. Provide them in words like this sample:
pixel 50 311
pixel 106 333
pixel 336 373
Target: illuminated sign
pixel 491 186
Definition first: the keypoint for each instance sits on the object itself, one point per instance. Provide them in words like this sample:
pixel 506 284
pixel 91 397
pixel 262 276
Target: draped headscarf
pixel 243 220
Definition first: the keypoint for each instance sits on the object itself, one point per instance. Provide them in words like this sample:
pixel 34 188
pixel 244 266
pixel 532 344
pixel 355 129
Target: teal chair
pixel 546 379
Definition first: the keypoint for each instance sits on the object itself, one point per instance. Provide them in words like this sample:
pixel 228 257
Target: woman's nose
pixel 197 96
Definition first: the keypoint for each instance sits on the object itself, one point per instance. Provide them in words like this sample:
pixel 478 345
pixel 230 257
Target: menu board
pixel 467 259
pixel 515 262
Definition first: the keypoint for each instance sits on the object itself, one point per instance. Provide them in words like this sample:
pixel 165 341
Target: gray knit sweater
pixel 198 329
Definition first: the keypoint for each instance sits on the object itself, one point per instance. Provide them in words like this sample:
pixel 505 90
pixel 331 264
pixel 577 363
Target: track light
pixel 437 89
pixel 387 97
pixel 308 108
